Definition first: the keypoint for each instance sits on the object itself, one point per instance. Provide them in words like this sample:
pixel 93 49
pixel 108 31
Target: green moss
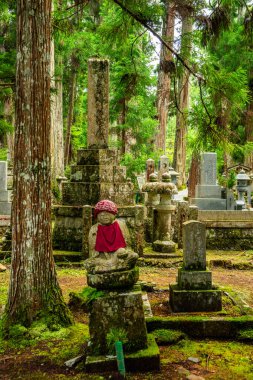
pixel 167 336
pixel 150 351
pixel 62 344
pixel 83 299
pixel 245 335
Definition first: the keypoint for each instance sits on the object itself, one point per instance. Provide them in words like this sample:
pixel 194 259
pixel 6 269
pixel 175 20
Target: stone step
pixel 68 264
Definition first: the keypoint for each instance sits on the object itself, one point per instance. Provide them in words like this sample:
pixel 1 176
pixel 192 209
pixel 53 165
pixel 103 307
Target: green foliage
pixel 90 294
pixel 231 181
pixel 114 336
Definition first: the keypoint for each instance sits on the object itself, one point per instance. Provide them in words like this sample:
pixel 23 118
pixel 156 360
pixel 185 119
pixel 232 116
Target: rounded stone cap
pixel 114 280
pixel 166 177
pixel 153 177
pixel 242 176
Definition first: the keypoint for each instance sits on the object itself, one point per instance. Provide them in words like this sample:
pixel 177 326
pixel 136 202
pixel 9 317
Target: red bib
pixel 109 238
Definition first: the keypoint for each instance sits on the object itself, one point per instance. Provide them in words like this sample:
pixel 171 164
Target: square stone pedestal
pixel 194 300
pixel 117 315
pixel 194 279
pixel 144 360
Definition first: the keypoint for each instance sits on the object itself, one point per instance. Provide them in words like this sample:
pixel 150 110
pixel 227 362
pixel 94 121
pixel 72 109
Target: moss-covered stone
pixel 194 300
pixel 145 360
pixel 114 311
pixel 114 280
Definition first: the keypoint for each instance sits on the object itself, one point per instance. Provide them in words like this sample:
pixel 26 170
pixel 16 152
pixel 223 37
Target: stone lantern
pixel 162 216
pixel 173 175
pixel 243 186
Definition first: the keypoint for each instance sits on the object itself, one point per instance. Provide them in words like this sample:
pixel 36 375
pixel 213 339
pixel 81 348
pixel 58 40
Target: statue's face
pixel 105 218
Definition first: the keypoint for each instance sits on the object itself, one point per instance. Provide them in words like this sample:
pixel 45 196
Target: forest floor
pixel 42 355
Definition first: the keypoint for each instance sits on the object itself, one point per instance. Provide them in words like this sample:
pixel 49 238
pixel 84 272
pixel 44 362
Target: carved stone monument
pixel 208 193
pixel 119 309
pixel 97 174
pixel 194 291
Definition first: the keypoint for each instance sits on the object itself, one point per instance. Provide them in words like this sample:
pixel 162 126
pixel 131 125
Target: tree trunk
pixel 249 133
pixel 194 175
pixel 164 77
pixel 57 150
pixel 179 158
pixel 72 95
pixel 9 116
pixel 34 291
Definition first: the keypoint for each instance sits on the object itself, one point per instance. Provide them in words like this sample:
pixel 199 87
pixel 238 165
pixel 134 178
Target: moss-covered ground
pixel 39 353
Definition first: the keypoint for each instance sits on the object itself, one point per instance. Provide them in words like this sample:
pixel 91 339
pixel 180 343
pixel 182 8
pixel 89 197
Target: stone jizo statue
pixel 109 242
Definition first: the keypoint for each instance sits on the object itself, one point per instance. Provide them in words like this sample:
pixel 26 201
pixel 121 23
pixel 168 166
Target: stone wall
pixel 228 230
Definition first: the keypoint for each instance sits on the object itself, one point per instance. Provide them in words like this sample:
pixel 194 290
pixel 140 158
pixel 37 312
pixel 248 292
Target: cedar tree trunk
pixel 179 158
pixel 34 291
pixel 164 77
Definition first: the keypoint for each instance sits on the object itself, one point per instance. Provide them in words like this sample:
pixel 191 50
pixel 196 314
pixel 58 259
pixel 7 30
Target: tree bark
pixel 164 77
pixel 248 161
pixel 34 291
pixel 57 149
pixel 179 157
pixel 70 118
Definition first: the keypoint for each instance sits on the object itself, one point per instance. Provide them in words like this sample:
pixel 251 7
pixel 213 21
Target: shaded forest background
pixel 181 79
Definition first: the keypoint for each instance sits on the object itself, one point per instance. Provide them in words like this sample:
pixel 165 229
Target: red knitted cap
pixel 105 205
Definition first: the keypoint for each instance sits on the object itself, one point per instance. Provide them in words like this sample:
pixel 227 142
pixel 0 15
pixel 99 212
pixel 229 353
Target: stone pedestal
pixel 194 291
pixel 119 315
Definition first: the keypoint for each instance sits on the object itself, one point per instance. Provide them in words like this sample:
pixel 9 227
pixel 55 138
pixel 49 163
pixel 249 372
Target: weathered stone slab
pixel 67 233
pixel 98 103
pixel 194 300
pixel 117 311
pixel 194 279
pixel 194 243
pixel 208 191
pixel 80 193
pixel 208 171
pixel 210 203
pixel 3 175
pixel 71 211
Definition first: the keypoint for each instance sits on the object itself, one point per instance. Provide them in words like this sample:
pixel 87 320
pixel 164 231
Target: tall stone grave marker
pixel 194 291
pixel 98 103
pixel 97 174
pixel 208 193
pixel 5 205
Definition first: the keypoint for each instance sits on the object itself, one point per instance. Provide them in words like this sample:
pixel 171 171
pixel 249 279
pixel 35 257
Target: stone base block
pixel 194 280
pixel 114 280
pixel 164 246
pixel 204 191
pixel 4 196
pixel 209 203
pixel 5 208
pixel 117 316
pixel 142 361
pixel 182 301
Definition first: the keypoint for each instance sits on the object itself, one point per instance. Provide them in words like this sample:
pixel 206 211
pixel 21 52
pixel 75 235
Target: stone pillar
pixel 98 103
pixel 194 291
pixel 163 166
pixel 162 240
pixel 151 200
pixel 194 243
pixel 150 168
